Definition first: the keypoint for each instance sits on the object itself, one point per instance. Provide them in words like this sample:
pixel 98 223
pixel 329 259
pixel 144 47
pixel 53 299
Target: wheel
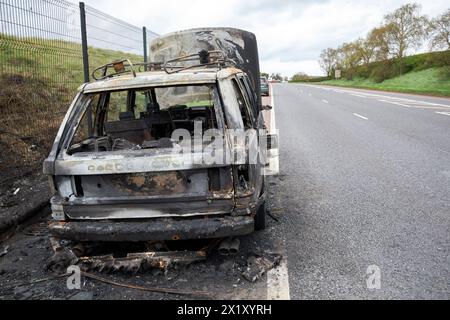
pixel 260 218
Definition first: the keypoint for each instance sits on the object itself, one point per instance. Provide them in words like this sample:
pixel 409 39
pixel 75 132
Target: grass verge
pixel 432 81
pixel 38 80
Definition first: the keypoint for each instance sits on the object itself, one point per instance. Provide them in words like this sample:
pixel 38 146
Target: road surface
pixel 365 182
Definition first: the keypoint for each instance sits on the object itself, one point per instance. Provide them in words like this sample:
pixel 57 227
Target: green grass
pixel 38 80
pixel 429 81
pixel 53 61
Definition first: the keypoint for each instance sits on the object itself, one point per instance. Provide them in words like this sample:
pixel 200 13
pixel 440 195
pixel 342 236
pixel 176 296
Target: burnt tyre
pixel 260 218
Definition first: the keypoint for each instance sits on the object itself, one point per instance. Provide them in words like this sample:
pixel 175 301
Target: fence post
pixel 84 44
pixel 84 48
pixel 144 34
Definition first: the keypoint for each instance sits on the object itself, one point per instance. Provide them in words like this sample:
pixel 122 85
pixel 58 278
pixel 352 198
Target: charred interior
pixel 143 119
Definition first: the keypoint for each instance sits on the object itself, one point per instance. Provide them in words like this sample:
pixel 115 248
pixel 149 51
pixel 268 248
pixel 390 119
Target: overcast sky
pixel 291 34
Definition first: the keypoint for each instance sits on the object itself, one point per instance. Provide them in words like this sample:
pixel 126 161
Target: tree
pixel 406 29
pixel 365 51
pixel 350 56
pixel 377 40
pixel 300 76
pixel 264 74
pixel 276 77
pixel 439 28
pixel 329 61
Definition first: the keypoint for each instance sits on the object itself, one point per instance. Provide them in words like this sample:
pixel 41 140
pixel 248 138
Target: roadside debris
pixel 135 262
pixel 258 265
pixel 273 217
pixel 62 259
pixel 32 282
pixel 199 294
pixel 4 251
pixel 9 199
pixel 68 253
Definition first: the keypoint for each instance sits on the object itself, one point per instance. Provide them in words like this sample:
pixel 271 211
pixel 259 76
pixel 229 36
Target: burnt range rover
pixel 133 159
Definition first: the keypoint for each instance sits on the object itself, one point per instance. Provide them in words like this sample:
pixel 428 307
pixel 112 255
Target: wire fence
pixel 41 67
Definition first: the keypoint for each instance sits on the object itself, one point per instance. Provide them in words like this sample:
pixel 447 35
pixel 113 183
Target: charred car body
pixel 115 166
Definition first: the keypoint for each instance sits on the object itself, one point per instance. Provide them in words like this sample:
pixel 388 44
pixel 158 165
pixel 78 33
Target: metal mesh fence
pixel 41 66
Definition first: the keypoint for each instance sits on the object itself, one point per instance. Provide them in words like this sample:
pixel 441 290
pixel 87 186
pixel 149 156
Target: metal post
pixel 84 43
pixel 144 33
pixel 84 48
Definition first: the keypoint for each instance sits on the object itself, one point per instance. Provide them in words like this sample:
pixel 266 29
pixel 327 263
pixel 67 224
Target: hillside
pixel 427 73
pixel 38 80
pixel 429 81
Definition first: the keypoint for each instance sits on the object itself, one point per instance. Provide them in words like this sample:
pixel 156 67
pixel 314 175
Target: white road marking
pixel 402 100
pixel 357 95
pixel 444 113
pixel 380 96
pixel 396 103
pixel 309 94
pixel 272 112
pixel 324 101
pixel 278 278
pixel 360 116
pixel 278 282
pixel 411 105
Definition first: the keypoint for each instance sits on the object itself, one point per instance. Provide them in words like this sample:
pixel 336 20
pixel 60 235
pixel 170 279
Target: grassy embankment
pixel 427 73
pixel 430 81
pixel 38 80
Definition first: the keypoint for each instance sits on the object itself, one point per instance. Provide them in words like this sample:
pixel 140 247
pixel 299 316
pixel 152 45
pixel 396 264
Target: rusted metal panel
pixel 155 229
pixel 145 184
pixel 126 161
pixel 140 208
pixel 49 162
pixel 135 262
pixel 238 45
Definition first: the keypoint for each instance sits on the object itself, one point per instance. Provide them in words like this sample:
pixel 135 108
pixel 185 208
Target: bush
pixel 312 79
pixel 444 73
pixel 382 71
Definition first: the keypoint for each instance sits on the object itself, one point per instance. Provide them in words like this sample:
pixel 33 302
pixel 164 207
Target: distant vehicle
pixel 264 86
pixel 120 176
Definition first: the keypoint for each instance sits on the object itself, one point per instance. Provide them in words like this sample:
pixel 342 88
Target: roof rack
pixel 205 59
pixel 214 58
pixel 149 66
pixel 119 66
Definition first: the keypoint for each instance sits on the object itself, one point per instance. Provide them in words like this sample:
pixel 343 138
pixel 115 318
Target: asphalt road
pixel 365 181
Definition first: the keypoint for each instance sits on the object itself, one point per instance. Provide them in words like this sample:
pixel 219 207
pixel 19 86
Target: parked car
pixel 115 167
pixel 264 86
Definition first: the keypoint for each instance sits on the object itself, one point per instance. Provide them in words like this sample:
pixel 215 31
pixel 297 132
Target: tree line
pixel 402 30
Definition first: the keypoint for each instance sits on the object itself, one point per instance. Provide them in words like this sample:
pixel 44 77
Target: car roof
pixel 159 79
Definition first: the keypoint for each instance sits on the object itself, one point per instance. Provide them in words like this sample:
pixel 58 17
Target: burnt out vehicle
pixel 116 169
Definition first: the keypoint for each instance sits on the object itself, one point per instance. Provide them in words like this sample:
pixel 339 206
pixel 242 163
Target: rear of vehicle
pixel 265 87
pixel 127 164
pixel 120 175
